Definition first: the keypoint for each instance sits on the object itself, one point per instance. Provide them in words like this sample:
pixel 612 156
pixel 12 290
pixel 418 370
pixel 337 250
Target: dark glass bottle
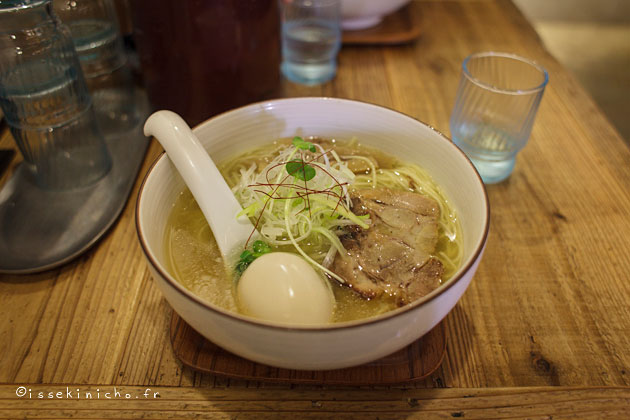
pixel 202 57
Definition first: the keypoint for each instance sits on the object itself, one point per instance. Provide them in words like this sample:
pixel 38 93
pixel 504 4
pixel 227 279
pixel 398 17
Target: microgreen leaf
pixel 260 248
pixel 301 170
pixel 241 266
pixel 247 257
pixel 244 261
pixel 300 143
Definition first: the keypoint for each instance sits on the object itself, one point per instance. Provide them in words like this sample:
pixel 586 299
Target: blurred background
pixel 589 37
pixel 592 39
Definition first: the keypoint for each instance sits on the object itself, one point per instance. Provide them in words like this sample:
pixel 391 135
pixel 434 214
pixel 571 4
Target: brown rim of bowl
pixel 327 327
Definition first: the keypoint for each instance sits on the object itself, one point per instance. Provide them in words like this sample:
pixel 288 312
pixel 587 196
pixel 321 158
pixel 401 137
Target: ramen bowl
pixel 326 346
pixel 363 14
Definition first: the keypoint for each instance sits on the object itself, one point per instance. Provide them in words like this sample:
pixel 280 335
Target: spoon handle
pixel 216 200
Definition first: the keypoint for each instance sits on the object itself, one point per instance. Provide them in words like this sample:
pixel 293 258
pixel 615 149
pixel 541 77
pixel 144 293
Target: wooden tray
pixel 399 27
pixel 414 362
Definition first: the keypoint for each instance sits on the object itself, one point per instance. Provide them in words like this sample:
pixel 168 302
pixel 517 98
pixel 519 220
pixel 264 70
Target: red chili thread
pixel 301 191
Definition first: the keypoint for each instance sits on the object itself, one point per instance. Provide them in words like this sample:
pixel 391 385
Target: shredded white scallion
pixel 313 212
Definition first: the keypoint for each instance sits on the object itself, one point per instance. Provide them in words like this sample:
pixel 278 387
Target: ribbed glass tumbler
pixel 495 108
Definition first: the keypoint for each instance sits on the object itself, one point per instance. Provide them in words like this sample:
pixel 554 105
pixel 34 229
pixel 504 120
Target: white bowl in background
pixel 363 14
pixel 334 345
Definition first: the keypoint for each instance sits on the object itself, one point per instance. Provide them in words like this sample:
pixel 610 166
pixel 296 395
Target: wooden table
pixel 543 331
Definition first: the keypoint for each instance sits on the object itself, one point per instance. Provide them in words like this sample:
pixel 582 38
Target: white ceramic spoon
pixel 282 287
pixel 204 180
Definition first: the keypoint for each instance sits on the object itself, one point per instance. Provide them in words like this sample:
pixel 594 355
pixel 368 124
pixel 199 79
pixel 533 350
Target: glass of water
pixel 311 39
pixel 495 108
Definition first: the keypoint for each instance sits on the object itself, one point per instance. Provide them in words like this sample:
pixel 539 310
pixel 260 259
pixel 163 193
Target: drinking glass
pixel 99 45
pixel 311 39
pixel 495 107
pixel 45 100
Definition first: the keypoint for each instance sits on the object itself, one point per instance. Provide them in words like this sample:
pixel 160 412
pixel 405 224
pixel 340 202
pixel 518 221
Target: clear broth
pixel 195 260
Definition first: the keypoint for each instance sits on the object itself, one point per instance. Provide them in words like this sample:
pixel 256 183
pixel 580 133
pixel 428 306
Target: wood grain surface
pixel 543 330
pixel 133 402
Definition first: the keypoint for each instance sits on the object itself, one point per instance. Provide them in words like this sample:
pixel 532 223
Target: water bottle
pixel 45 99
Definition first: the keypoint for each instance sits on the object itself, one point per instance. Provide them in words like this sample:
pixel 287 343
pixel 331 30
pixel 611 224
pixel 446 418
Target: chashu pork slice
pixel 395 255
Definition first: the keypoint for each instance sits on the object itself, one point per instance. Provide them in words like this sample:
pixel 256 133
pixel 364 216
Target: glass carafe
pixel 96 35
pixel 45 100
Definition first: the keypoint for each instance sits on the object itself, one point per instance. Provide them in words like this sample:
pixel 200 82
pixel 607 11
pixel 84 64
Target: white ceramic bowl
pixel 336 345
pixel 363 14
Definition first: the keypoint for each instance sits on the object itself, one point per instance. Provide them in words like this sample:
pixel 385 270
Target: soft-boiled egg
pixel 283 287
